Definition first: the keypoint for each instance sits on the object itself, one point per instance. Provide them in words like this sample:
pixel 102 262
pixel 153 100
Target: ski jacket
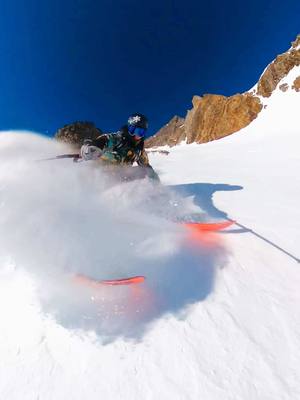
pixel 121 148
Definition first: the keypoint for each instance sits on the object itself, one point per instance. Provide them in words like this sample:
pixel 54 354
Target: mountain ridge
pixel 215 116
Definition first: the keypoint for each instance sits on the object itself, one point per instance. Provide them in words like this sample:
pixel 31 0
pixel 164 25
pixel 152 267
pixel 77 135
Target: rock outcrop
pixel 278 69
pixel 171 134
pixel 75 133
pixel 296 84
pixel 214 116
pixel 284 87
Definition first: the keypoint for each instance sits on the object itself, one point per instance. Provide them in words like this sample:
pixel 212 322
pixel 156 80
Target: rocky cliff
pixel 75 133
pixel 173 133
pixel 278 69
pixel 212 117
pixel 215 116
pixel 296 84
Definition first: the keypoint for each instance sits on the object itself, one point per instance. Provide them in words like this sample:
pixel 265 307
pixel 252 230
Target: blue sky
pixel 63 61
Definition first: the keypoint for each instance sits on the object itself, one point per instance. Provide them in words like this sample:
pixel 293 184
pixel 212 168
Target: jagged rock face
pixel 296 84
pixel 171 134
pixel 75 133
pixel 215 116
pixel 296 42
pixel 284 87
pixel 212 117
pixel 278 69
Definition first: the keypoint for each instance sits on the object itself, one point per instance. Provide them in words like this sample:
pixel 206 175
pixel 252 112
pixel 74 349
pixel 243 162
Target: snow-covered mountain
pixel 215 116
pixel 217 318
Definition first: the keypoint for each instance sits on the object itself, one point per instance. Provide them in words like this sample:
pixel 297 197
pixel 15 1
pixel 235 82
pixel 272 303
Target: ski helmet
pixel 138 120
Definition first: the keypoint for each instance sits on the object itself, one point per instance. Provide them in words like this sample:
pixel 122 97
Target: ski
pixel 94 283
pixel 208 226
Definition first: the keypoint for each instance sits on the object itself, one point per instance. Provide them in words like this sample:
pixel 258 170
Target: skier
pixel 123 147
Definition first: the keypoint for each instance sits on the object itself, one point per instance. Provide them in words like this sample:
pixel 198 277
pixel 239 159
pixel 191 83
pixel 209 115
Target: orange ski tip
pixel 124 281
pixel 93 283
pixel 208 226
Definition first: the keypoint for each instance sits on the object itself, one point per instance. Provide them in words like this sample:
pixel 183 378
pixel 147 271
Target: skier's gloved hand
pixel 89 152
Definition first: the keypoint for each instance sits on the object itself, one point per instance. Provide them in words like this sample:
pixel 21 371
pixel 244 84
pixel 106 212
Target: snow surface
pixel 218 318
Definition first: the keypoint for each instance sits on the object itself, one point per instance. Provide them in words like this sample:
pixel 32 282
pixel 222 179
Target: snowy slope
pixel 218 319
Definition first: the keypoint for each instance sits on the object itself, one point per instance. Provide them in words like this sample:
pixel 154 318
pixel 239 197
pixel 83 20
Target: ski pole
pixel 75 157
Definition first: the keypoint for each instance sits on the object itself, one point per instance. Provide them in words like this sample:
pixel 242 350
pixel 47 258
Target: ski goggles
pixel 136 131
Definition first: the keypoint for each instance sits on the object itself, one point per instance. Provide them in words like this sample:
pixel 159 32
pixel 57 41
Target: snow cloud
pixel 59 219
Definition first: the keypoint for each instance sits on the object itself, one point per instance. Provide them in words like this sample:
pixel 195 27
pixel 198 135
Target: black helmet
pixel 138 120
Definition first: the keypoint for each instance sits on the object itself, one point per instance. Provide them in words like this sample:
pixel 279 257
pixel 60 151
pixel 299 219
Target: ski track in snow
pixel 215 320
